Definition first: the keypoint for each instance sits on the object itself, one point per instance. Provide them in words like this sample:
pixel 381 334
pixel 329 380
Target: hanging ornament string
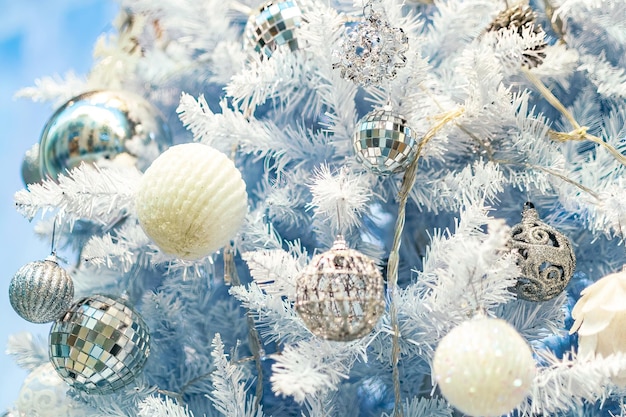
pixel 580 132
pixel 408 180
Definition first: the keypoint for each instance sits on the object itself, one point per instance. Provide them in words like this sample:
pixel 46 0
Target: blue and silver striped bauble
pixel 41 291
pixel 100 345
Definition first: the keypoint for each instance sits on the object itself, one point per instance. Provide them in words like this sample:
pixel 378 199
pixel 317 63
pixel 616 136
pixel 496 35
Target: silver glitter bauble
pixel 41 291
pixel 520 17
pixel 339 295
pixel 100 345
pixel 545 256
pixel 384 143
pixel 272 25
pixel 98 126
pixel 31 171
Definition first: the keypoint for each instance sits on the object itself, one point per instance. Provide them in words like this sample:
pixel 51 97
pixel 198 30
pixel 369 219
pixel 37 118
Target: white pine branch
pixel 427 407
pixel 28 351
pixel 314 367
pixel 162 407
pixel 565 383
pixel 102 195
pixel 340 198
pixel 610 80
pixel 229 393
pixel 54 89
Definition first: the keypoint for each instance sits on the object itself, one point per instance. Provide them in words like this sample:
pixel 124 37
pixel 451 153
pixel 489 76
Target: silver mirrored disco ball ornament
pixel 31 172
pixel 339 295
pixel 545 256
pixel 272 25
pixel 384 143
pixel 41 291
pixel 98 126
pixel 100 345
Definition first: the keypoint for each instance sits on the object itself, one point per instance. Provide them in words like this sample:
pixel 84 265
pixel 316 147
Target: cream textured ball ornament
pixel 484 367
pixel 191 201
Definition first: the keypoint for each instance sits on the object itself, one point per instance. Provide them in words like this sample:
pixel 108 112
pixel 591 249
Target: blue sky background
pixel 37 38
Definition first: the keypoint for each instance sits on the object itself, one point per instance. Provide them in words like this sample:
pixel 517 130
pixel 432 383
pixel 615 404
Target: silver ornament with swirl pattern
pixel 100 345
pixel 339 295
pixel 41 291
pixel 545 256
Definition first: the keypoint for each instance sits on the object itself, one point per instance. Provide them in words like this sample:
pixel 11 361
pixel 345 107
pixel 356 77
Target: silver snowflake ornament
pixel 372 51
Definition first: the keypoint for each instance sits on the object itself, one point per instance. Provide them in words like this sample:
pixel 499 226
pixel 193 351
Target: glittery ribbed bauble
pixel 545 256
pixel 339 295
pixel 522 17
pixel 101 125
pixel 384 143
pixel 100 345
pixel 31 172
pixel 44 394
pixel 484 367
pixel 41 291
pixel 191 201
pixel 600 319
pixel 272 25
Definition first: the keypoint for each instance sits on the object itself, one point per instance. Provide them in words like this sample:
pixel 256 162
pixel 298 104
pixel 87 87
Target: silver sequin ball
pixel 41 291
pixel 384 143
pixel 339 295
pixel 100 345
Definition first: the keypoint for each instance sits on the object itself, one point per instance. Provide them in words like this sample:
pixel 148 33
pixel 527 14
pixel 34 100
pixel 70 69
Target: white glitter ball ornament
pixel 484 367
pixel 41 291
pixel 191 201
pixel 600 320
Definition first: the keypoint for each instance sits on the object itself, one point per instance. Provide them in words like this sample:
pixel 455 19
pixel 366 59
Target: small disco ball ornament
pixel 600 318
pixel 44 394
pixel 384 143
pixel 41 291
pixel 101 125
pixel 339 295
pixel 522 17
pixel 545 256
pixel 484 367
pixel 31 171
pixel 272 25
pixel 100 345
pixel 191 201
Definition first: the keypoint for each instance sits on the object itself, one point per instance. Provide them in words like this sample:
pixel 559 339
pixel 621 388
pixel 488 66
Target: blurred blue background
pixel 37 39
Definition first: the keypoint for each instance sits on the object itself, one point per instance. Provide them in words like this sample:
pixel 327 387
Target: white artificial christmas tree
pixel 506 102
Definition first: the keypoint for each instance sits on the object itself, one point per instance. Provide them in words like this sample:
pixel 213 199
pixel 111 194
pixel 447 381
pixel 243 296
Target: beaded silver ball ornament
pixel 101 125
pixel 384 143
pixel 41 291
pixel 274 24
pixel 339 295
pixel 372 51
pixel 545 256
pixel 100 345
